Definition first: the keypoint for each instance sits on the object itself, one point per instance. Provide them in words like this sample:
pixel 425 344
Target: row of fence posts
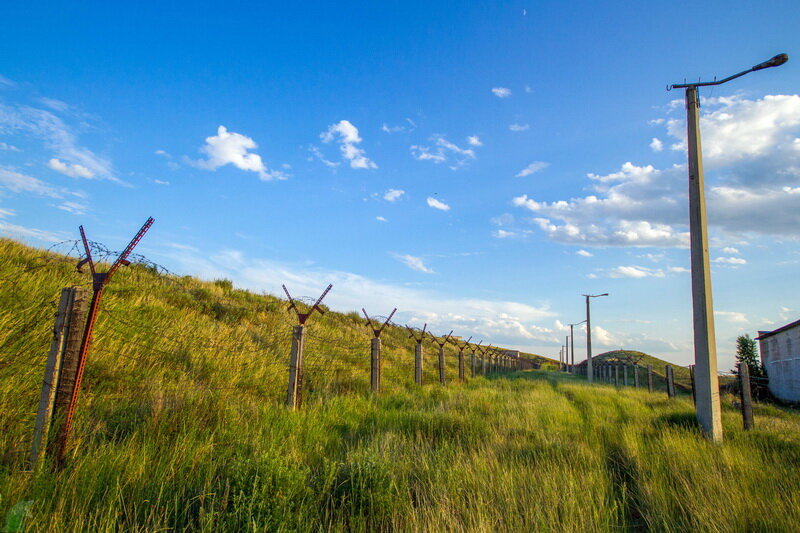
pixel 72 335
pixel 610 373
pixel 483 359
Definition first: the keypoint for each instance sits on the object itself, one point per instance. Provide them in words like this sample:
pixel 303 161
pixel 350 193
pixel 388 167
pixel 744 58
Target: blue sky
pixel 477 165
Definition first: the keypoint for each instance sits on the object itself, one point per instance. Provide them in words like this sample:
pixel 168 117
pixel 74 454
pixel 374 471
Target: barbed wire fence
pixel 154 364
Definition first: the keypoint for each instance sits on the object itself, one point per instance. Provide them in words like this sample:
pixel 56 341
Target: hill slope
pixel 181 427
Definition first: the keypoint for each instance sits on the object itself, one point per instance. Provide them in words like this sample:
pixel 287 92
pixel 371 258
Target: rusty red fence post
pixel 99 282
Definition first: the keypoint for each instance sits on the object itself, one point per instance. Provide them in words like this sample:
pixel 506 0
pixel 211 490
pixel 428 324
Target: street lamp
pixel 589 336
pixel 572 343
pixel 705 350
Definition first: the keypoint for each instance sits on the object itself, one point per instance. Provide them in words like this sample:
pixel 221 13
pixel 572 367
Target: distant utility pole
pixel 589 335
pixel 705 350
pixel 572 343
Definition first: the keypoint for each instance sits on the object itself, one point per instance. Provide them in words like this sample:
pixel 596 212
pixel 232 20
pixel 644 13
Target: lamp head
pixel 776 61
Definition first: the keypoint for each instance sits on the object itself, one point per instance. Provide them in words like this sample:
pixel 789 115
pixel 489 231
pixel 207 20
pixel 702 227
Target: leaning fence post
pixel 670 382
pixel 650 378
pixel 63 353
pixel 746 397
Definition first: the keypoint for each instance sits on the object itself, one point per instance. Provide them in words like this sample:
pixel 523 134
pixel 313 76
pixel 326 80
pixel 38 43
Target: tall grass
pixel 181 428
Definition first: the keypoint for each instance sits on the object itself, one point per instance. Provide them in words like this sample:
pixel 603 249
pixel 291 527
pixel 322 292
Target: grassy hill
pixel 181 427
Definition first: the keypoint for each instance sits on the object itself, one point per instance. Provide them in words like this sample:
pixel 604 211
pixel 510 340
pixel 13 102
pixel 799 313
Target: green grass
pixel 181 427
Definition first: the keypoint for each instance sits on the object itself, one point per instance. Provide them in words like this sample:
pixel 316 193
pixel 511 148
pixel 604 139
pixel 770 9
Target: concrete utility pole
pixel 566 354
pixel 589 335
pixel 572 341
pixel 705 350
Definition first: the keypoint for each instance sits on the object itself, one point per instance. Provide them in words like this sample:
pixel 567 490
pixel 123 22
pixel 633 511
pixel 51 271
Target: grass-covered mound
pixel 181 427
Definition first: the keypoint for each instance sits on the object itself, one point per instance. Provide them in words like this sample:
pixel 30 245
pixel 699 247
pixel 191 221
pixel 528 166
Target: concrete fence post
pixel 375 365
pixel 745 395
pixel 625 374
pixel 694 389
pixel 293 396
pixel 461 365
pixel 670 382
pixel 418 363
pixel 650 378
pixel 441 365
pixel 636 376
pixel 68 374
pixel 616 375
pixel 61 366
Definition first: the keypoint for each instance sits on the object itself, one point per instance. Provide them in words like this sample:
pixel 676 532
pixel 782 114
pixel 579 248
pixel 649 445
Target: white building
pixel 780 354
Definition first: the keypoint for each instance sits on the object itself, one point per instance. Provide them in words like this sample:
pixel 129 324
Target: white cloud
pixel 584 253
pixel 606 339
pixel 751 179
pixel 735 128
pixel 22 232
pixel 635 272
pixel 732 316
pixel 442 151
pixel 17 182
pixel 730 250
pixel 519 127
pixel 501 92
pixel 380 219
pixel 73 171
pixel 678 270
pixel 393 194
pixel 730 260
pixel 436 204
pixel 348 137
pixel 57 135
pixel 8 147
pixel 76 208
pixel 503 220
pixel 534 167
pixel 498 322
pixel 402 128
pixel 316 153
pixel 503 234
pixel 229 148
pixel 474 140
pixel 414 263
pixel 656 145
pixel 160 182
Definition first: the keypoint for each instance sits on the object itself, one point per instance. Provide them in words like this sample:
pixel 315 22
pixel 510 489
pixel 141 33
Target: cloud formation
pixel 501 92
pixel 73 171
pixel 443 151
pixel 414 263
pixel 751 153
pixel 348 138
pixel 437 204
pixel 229 148
pixel 393 194
pixel 534 167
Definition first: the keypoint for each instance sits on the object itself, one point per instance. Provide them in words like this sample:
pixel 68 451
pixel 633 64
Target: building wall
pixel 780 354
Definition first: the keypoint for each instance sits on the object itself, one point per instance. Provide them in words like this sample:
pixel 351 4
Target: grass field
pixel 181 428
